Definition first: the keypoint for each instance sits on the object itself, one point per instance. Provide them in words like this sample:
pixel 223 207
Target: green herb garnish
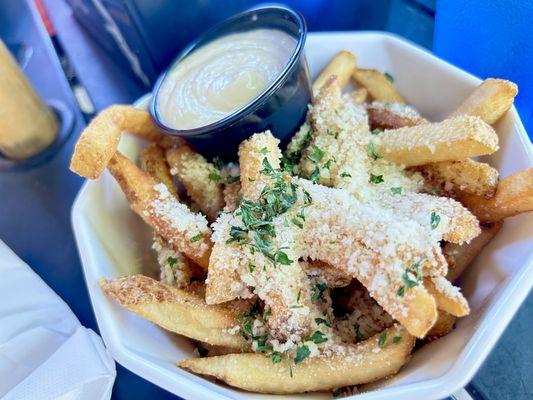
pixel 318 292
pixel 345 175
pixel 389 77
pixel 372 152
pixel 382 338
pixel 196 238
pixel 171 261
pixel 376 131
pixel 435 220
pixel 302 352
pixel 317 337
pixel 375 179
pixel 396 339
pixel 214 176
pixel 396 190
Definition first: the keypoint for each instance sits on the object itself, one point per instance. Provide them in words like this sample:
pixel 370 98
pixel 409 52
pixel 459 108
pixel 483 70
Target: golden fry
pixel 456 138
pixel 459 256
pixel 351 365
pixel 490 100
pixel 378 85
pixel 448 297
pixel 341 66
pixel 359 95
pixel 154 163
pixel 392 116
pixel 185 231
pixel 100 138
pixel 200 178
pixel 514 195
pixel 177 310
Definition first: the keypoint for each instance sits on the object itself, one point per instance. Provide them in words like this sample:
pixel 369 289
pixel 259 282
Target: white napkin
pixel 45 353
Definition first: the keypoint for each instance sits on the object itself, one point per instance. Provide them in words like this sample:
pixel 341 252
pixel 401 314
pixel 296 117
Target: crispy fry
pixel 460 256
pixel 177 310
pixel 100 138
pixel 514 195
pixel 378 85
pixel 154 163
pixel 232 196
pixel 490 100
pixel 466 176
pixel 350 365
pixel 449 298
pixel 341 66
pixel 455 138
pixel 185 231
pixel 392 115
pixel 443 326
pixel 201 179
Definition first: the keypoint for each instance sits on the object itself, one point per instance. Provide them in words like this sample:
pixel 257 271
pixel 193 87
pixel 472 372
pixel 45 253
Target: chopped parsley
pixel 389 77
pixel 317 154
pixel 376 131
pixel 411 277
pixel 196 238
pixel 218 163
pixel 317 337
pixel 345 175
pixel 276 357
pixel 382 338
pixel 282 258
pixel 171 261
pixel 376 178
pixel 323 321
pixel 214 176
pixel 251 267
pixel 396 190
pixel 396 339
pixel 328 163
pixel 435 220
pixel 264 151
pixel 318 292
pixel 314 175
pixel 298 222
pixel 372 152
pixel 302 352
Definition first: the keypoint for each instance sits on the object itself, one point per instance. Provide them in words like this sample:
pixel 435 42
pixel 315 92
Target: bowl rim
pixel 256 102
pixel 461 371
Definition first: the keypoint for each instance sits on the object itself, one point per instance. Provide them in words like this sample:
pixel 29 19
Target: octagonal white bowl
pixel 113 241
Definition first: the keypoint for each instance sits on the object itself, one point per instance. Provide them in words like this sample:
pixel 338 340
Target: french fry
pixel 448 297
pixel 154 163
pixel 177 310
pixel 392 115
pixel 459 256
pixel 378 85
pixel 443 326
pixel 99 140
pixel 455 138
pixel 352 365
pixel 514 195
pixel 341 66
pixel 466 176
pixel 185 231
pixel 200 178
pixel 490 100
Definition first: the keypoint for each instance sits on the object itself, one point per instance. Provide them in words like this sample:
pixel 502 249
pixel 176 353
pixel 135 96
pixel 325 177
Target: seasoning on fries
pixel 318 267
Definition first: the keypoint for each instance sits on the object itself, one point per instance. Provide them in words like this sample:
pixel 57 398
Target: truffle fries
pixel 341 66
pixel 380 356
pixel 98 142
pixel 185 231
pixel 514 195
pixel 490 100
pixel 455 138
pixel 379 85
pixel 177 310
pixel 201 179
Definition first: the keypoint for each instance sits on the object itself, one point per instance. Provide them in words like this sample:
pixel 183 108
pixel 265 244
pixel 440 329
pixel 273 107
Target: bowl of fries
pixel 380 255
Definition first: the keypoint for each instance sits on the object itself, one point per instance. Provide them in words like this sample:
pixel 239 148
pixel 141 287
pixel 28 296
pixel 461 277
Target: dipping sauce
pixel 222 77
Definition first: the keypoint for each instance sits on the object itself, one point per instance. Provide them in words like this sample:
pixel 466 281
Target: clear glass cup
pixel 27 124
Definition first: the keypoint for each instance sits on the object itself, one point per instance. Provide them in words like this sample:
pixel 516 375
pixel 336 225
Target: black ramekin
pixel 281 107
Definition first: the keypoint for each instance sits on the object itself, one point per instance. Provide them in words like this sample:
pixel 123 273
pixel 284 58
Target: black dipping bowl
pixel 281 107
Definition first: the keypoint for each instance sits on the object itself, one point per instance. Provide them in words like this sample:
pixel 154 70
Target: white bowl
pixel 113 241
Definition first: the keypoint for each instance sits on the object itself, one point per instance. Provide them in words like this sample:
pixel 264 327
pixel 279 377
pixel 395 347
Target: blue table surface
pixel 35 207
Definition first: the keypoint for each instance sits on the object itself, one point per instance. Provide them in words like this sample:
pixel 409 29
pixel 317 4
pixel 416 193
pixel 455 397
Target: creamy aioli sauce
pixel 222 76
